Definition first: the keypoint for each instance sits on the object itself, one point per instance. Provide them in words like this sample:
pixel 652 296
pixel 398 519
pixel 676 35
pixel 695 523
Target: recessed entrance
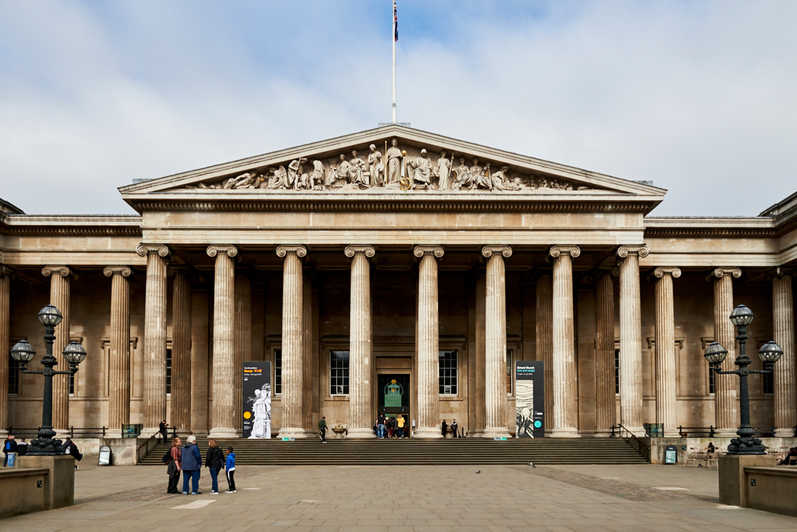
pixel 393 393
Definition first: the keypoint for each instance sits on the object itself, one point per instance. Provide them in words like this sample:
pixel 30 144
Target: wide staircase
pixel 418 452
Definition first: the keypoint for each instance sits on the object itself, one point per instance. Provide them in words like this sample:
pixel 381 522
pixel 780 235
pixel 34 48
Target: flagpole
pixel 393 38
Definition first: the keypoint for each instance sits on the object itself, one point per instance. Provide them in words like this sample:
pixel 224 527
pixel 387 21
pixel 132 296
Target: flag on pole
pixel 395 21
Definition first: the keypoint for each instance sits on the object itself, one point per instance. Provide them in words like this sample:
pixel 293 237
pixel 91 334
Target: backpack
pixel 167 457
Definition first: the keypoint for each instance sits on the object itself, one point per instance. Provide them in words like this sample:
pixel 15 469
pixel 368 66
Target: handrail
pixel 634 440
pixel 146 446
pixel 85 432
pixel 683 432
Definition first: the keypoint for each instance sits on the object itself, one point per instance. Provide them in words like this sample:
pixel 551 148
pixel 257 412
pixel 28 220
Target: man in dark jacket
pixel 191 464
pixel 215 462
pixel 9 446
pixel 71 449
pixel 162 430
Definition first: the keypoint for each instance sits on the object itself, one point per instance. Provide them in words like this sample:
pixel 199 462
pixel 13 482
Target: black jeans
pixel 174 478
pixel 231 480
pixel 323 434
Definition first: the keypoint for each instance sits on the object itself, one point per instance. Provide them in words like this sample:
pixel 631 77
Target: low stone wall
pixel 691 451
pixel 773 489
pixel 23 490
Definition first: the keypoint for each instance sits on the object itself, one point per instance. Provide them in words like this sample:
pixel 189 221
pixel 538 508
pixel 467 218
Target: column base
pixel 428 433
pixel 224 433
pixel 784 433
pixel 296 433
pixel 361 434
pixel 564 432
pixel 495 432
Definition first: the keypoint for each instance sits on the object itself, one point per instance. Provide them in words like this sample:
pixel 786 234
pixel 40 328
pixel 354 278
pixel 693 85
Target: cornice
pixel 687 227
pixel 67 225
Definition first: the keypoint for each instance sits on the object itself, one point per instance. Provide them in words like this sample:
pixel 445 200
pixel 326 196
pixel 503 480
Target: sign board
pixel 256 389
pixel 671 454
pixel 529 399
pixel 105 455
pixel 393 394
pixel 132 430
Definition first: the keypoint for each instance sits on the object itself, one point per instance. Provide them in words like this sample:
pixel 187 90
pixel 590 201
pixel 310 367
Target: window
pixel 509 371
pixel 277 371
pixel 338 372
pixel 448 373
pixel 616 371
pixel 168 370
pixel 13 375
pixel 768 379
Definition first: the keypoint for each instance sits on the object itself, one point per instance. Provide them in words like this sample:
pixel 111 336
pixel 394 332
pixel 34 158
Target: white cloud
pixel 697 97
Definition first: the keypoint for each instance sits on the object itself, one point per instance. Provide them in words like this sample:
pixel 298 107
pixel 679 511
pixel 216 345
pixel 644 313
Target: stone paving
pixel 403 498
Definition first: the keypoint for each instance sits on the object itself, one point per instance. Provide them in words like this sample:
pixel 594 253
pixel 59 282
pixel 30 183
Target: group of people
pixel 187 459
pixel 391 426
pixel 452 429
pixel 13 448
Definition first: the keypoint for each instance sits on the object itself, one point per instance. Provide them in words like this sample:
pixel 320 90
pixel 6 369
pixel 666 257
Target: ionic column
pixel 59 296
pixel 181 352
pixel 5 341
pixel 360 348
pixel 666 379
pixel 544 340
pixel 428 343
pixel 223 416
pixel 631 338
pixel 292 341
pixel 565 406
pixel 243 341
pixel 495 341
pixel 785 400
pixel 605 396
pixel 154 335
pixel 119 363
pixel 726 399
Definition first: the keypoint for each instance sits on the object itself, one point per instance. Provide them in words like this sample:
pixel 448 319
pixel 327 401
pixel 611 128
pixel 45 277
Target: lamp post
pixel 742 317
pixel 74 353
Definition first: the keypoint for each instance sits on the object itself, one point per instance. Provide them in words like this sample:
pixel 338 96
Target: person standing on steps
pixel 400 425
pixel 444 429
pixel 454 428
pixel 9 448
pixel 162 430
pixel 191 464
pixel 174 466
pixel 230 469
pixel 322 429
pixel 215 462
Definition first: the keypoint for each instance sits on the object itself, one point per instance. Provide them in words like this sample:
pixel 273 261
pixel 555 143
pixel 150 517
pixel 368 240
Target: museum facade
pixel 395 257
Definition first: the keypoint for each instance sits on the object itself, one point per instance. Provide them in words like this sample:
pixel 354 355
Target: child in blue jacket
pixel 229 467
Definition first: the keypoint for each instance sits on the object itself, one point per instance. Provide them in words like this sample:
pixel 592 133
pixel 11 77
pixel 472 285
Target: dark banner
pixel 529 399
pixel 257 399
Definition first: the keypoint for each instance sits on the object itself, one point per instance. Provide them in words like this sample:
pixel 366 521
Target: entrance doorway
pixel 393 392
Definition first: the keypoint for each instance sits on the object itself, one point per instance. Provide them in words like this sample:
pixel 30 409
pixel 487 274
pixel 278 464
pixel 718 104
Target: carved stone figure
pixel 358 171
pixel 245 180
pixel 478 177
pixel 443 172
pixel 462 175
pixel 501 180
pixel 318 175
pixel 420 170
pixel 376 166
pixel 278 178
pixel 394 157
pixel 342 171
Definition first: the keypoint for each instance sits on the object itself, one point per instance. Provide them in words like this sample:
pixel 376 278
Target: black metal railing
pixel 684 432
pixel 639 444
pixel 73 432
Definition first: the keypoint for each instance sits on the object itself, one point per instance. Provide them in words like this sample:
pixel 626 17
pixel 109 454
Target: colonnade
pixel 555 343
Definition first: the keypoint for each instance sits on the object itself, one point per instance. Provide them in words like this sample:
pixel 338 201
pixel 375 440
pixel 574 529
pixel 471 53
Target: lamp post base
pixel 45 447
pixel 746 446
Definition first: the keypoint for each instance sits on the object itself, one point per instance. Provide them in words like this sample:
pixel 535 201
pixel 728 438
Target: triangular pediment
pixel 389 160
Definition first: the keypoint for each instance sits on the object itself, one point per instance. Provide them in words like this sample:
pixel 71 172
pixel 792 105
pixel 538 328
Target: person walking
pixel 381 426
pixel 9 448
pixel 229 467
pixel 191 465
pixel 400 424
pixel 174 466
pixel 454 428
pixel 322 429
pixel 162 430
pixel 444 429
pixel 214 460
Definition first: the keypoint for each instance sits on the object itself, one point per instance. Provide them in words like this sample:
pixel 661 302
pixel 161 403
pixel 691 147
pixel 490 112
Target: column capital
pixel 124 271
pixel 5 270
pixel 214 250
pixel 779 273
pixel 488 251
pixel 661 271
pixel 143 249
pixel 63 271
pixel 558 250
pixel 420 251
pixel 719 273
pixel 642 251
pixel 351 251
pixel 300 251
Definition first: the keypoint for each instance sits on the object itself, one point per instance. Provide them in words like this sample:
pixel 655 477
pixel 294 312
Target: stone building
pixel 395 254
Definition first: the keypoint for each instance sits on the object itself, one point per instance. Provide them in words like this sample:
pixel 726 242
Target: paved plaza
pixel 403 498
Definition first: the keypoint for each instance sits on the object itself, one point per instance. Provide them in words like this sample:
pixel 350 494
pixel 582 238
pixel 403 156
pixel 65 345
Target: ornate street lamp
pixel 74 354
pixel 742 317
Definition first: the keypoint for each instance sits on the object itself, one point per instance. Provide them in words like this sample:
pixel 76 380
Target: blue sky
pixel 697 96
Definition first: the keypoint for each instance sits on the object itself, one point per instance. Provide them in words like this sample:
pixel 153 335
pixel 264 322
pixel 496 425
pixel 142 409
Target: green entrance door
pixel 394 393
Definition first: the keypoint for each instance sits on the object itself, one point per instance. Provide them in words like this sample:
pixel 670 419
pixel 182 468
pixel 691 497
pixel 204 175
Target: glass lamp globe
pixel 22 351
pixel 770 352
pixel 50 316
pixel 742 315
pixel 74 353
pixel 715 353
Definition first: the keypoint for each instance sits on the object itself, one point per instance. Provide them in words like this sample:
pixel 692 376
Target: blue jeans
pixel 380 429
pixel 214 479
pixel 194 476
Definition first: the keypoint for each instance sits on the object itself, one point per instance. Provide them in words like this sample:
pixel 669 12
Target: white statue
pixel 261 408
pixel 463 175
pixel 358 171
pixel 317 178
pixel 443 172
pixel 394 157
pixel 420 170
pixel 295 171
pixel 343 171
pixel 479 179
pixel 376 167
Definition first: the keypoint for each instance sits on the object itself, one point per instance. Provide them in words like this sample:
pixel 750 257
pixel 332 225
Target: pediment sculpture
pixel 393 168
